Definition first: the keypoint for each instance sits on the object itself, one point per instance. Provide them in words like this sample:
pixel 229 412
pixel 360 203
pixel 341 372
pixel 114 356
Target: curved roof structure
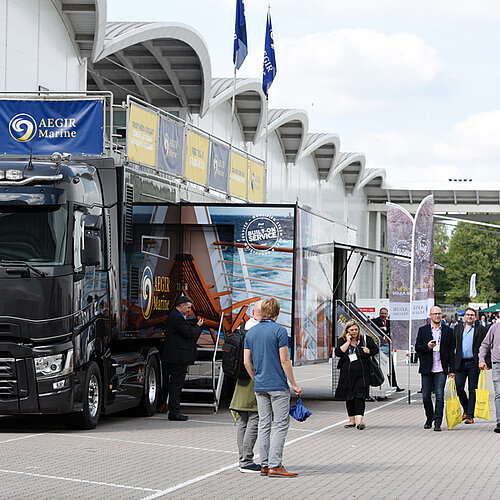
pixel 352 167
pixel 165 64
pixel 85 21
pixel 324 149
pixel 249 103
pixel 374 177
pixel 291 127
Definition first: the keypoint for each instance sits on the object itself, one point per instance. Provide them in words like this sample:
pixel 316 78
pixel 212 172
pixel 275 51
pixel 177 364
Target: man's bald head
pixel 257 310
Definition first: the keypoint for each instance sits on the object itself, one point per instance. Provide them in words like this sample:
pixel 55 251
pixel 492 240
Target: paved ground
pixel 132 458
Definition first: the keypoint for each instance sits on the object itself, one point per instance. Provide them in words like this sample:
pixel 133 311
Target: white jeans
pixel 271 403
pixel 496 384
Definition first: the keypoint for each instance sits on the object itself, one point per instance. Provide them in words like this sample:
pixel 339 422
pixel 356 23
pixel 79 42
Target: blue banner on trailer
pixel 42 127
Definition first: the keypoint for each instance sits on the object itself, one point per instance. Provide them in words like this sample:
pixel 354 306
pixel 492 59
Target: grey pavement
pixel 146 458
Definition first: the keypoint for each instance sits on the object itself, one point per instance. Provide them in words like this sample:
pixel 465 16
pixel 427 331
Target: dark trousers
pixel 173 381
pixel 355 406
pixel 392 378
pixel 438 381
pixel 467 370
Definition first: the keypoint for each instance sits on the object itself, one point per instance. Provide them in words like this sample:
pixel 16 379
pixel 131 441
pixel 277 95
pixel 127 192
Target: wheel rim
pixel 93 398
pixel 152 385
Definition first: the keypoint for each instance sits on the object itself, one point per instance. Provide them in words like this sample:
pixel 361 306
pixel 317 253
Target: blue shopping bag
pixel 298 411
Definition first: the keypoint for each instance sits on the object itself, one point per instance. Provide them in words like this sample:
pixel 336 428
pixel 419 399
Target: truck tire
pixel 92 400
pixel 149 401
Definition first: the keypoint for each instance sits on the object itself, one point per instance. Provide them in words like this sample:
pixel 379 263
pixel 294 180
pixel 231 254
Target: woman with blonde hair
pixel 354 353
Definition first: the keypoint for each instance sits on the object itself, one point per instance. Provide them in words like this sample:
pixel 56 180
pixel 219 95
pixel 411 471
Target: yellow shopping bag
pixel 482 408
pixel 453 408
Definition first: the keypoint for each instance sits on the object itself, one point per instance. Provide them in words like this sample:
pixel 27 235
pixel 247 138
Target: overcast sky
pixel 413 85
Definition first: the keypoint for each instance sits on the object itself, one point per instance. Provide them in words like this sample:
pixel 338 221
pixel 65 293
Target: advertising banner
pixel 238 179
pixel 43 127
pixel 142 132
pixel 423 262
pixel 218 173
pixel 256 176
pixel 197 157
pixel 399 236
pixel 171 146
pixel 314 309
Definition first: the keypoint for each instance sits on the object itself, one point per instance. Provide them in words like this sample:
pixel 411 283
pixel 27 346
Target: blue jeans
pixel 467 370
pixel 272 404
pixel 438 381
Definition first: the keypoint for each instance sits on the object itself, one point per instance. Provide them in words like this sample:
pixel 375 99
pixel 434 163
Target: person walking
pixel 435 346
pixel 244 409
pixel 354 381
pixel 468 339
pixel 267 361
pixel 491 347
pixel 178 353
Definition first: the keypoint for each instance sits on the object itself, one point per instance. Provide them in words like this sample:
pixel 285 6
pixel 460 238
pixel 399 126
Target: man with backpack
pixel 244 405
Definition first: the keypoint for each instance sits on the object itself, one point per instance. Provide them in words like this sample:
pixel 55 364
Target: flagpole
pixel 232 107
pixel 267 128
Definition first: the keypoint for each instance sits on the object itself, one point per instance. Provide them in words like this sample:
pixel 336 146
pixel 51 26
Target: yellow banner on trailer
pixel 238 178
pixel 142 132
pixel 256 177
pixel 197 157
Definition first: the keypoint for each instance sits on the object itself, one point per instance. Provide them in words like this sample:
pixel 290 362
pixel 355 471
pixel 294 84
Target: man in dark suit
pixel 179 352
pixel 435 346
pixel 468 338
pixel 384 323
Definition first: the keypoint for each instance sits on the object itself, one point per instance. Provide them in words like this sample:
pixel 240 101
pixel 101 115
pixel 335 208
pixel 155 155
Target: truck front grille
pixel 8 377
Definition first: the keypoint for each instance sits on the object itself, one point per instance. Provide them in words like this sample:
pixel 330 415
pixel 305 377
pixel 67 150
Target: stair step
pixel 206 405
pixel 208 391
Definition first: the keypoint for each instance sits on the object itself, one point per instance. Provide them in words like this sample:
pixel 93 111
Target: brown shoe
pixel 281 472
pixel 464 416
pixel 469 421
pixel 264 471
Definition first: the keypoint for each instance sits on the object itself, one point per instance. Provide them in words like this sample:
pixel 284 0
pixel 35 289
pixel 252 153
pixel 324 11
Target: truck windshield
pixel 34 236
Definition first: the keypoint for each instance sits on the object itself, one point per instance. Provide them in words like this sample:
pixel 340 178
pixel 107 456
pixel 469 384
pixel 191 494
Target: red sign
pixel 367 309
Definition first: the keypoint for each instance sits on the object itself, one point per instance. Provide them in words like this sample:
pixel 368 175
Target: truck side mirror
pixel 91 253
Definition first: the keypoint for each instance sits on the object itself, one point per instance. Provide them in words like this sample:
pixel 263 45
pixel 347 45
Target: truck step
pixel 198 390
pixel 205 405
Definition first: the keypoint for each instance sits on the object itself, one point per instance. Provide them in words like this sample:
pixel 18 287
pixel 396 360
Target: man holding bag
pixel 468 338
pixel 491 345
pixel 435 346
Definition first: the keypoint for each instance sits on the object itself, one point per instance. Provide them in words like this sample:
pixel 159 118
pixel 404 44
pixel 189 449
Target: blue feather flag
pixel 269 57
pixel 240 49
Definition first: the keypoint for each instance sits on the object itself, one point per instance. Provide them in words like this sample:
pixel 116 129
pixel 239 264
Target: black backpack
pixel 232 354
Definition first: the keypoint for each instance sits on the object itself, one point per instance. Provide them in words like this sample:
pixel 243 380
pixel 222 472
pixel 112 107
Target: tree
pixel 471 250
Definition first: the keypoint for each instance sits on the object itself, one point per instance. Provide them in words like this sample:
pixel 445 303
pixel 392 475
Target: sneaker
pixel 497 428
pixel 468 420
pixel 251 469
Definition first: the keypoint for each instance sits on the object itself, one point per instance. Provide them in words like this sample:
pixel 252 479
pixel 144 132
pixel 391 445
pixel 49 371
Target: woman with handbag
pixel 354 355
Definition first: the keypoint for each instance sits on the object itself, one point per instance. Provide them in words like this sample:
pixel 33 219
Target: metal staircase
pixel 204 379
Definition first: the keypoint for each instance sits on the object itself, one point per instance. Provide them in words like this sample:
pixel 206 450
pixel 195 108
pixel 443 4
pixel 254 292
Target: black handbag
pixel 376 375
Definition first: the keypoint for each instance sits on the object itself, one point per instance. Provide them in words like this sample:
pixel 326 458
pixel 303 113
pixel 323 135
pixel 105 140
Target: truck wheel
pixel 149 400
pixel 92 400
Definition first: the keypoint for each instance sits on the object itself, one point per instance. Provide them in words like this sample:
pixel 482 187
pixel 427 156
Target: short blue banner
pixel 43 127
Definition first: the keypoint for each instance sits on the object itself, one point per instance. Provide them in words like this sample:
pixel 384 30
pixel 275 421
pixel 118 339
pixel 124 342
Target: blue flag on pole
pixel 269 57
pixel 240 49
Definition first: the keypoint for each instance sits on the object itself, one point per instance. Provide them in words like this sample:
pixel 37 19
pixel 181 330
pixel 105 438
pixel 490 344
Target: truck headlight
pixel 55 365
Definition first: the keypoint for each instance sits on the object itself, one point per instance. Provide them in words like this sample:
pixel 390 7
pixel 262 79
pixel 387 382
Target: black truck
pixel 62 300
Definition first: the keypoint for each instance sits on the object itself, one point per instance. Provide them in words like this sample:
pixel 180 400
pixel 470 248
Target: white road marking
pixel 22 437
pixel 75 480
pixel 315 378
pixel 233 466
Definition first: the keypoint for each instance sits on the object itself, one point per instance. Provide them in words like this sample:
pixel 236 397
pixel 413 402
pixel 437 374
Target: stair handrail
pixel 214 357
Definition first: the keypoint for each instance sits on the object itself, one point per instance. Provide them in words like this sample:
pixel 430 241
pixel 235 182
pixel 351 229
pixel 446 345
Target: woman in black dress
pixel 354 383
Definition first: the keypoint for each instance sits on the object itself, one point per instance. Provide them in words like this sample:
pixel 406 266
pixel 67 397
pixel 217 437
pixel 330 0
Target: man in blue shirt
pixel 268 363
pixel 468 338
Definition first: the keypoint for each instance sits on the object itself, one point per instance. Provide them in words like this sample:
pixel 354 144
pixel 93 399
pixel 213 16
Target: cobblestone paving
pixel 146 458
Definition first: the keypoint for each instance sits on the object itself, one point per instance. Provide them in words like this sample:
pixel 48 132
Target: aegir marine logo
pixel 262 233
pixel 22 127
pixel 147 293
